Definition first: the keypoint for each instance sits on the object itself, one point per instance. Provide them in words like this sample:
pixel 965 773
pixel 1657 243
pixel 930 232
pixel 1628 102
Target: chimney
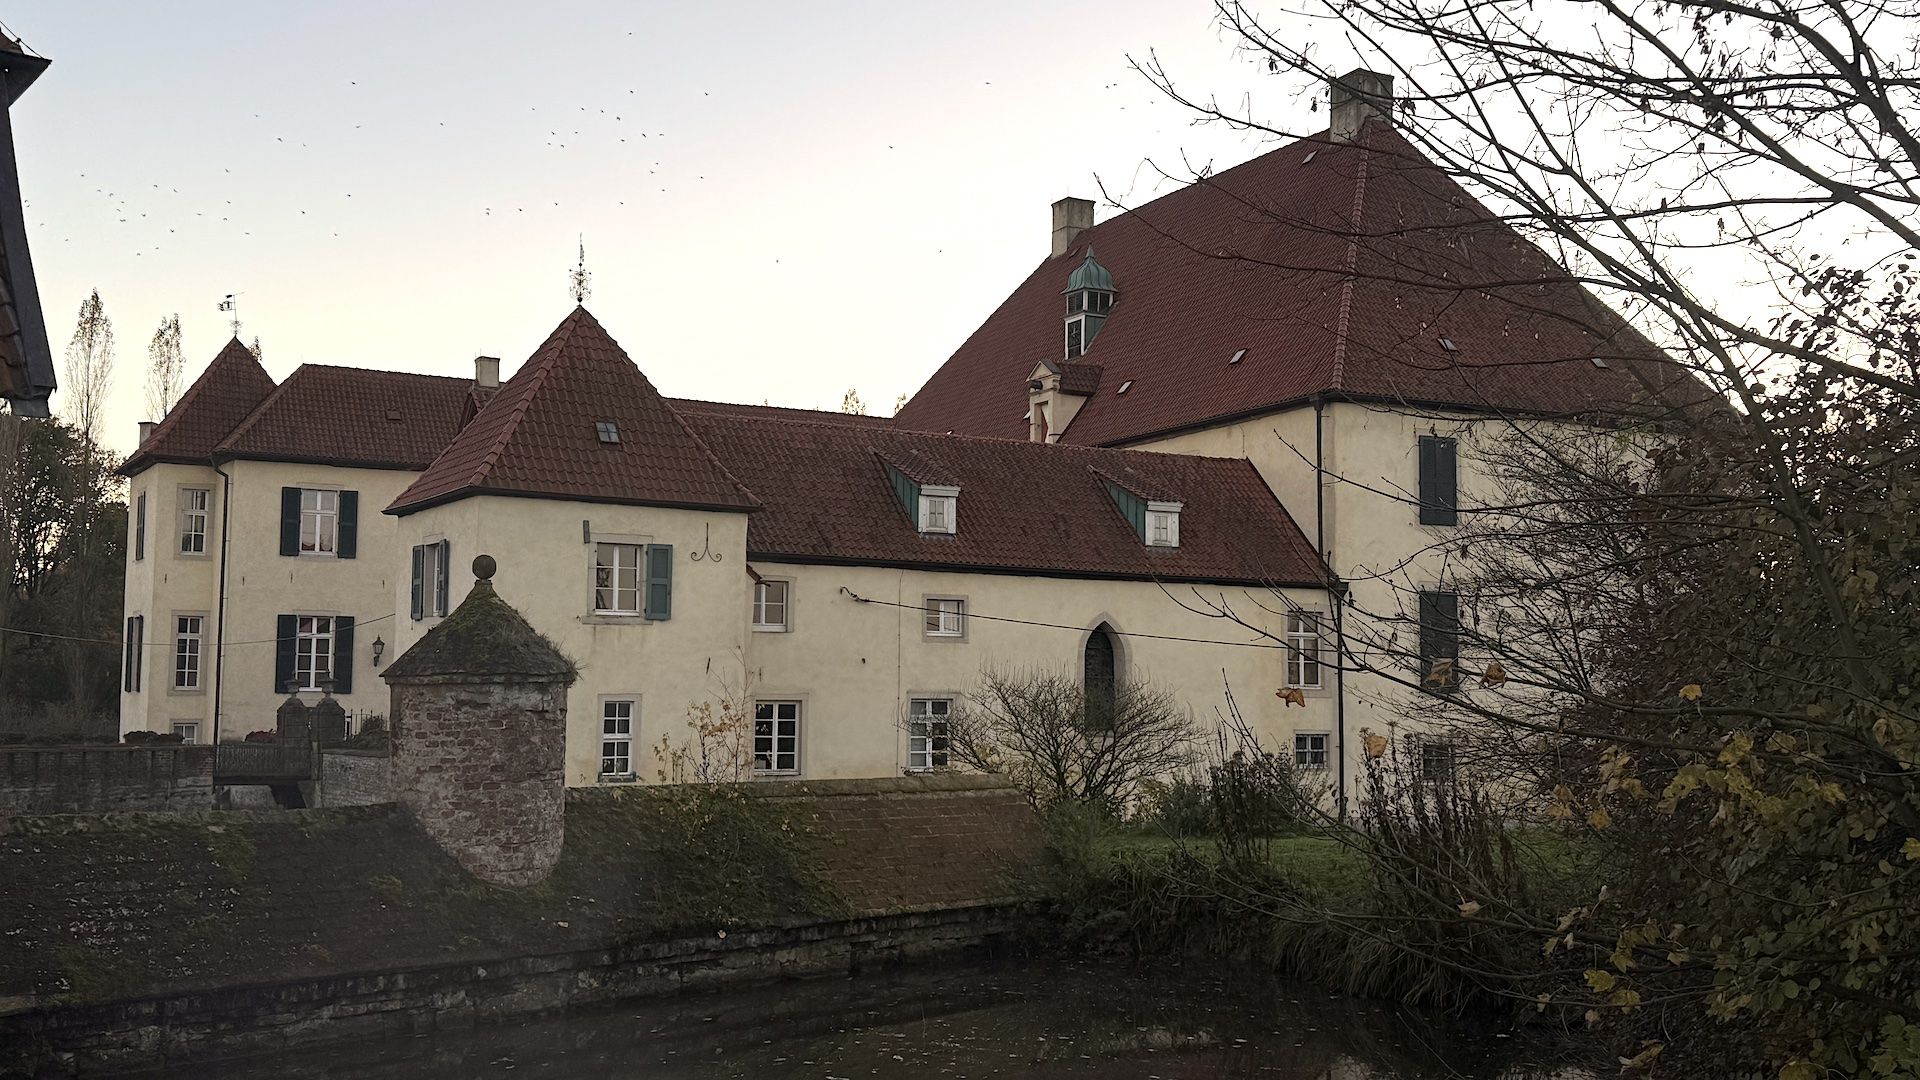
pixel 1353 97
pixel 486 372
pixel 1071 217
pixel 146 431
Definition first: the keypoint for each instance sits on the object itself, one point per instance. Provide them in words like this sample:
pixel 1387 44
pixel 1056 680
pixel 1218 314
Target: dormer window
pixel 1163 524
pixel 939 509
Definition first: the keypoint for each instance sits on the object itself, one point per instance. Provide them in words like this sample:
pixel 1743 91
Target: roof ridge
pixel 1343 322
pixel 1084 448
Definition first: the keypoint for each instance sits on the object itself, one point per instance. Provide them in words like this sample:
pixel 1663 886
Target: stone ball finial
pixel 483 567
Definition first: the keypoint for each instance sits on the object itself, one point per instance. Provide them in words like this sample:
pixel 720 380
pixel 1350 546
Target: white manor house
pixel 1258 393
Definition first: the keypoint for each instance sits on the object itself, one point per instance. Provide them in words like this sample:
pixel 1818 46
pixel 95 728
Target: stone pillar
pixel 329 719
pixel 292 721
pixel 479 715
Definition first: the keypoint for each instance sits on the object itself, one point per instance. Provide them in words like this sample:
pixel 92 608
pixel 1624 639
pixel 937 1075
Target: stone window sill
pixel 603 618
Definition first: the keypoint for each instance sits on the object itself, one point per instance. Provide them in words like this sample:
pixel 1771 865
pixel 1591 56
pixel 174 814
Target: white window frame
pixel 1303 651
pixel 191 516
pixel 308 637
pixel 763 606
pixel 945 617
pixel 1445 752
pixel 639 587
pixel 617 731
pixel 190 648
pixel 189 737
pixel 1165 514
pixel 768 711
pixel 324 513
pixel 1304 750
pixel 945 521
pixel 922 720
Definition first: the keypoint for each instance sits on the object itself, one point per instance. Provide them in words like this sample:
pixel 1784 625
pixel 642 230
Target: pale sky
pixel 779 201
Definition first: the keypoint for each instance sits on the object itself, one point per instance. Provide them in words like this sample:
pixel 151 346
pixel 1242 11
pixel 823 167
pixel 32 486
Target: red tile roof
pixel 1338 267
pixel 231 387
pixel 1025 508
pixel 354 417
pixel 538 436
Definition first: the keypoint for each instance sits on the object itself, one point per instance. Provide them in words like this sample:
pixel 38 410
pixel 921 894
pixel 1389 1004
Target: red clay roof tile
pixel 537 436
pixel 1337 272
pixel 1025 508
pixel 354 417
pixel 231 387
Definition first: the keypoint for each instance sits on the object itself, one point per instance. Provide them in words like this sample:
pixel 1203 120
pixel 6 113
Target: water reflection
pixel 1031 1021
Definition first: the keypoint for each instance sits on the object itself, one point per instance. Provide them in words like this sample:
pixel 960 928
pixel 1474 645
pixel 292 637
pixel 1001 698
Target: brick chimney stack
pixel 1071 217
pixel 1354 97
pixel 146 431
pixel 486 372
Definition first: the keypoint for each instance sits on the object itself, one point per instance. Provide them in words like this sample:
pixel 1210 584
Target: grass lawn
pixel 1327 867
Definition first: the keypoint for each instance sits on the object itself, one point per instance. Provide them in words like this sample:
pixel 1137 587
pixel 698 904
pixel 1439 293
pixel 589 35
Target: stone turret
pixel 479 710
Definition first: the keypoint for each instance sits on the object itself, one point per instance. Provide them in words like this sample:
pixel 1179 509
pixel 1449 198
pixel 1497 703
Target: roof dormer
pixel 933 508
pixel 1090 296
pixel 1155 521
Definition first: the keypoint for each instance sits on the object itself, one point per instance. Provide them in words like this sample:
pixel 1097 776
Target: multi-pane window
pixel 140 527
pixel 1436 761
pixel 135 655
pixel 188 732
pixel 193 520
pixel 616 737
pixel 313 651
pixel 946 618
pixel 616 578
pixel 1076 341
pixel 430 584
pixel 939 509
pixel 770 605
pixel 187 632
pixel 927 732
pixel 319 521
pixel 1310 749
pixel 776 736
pixel 1303 650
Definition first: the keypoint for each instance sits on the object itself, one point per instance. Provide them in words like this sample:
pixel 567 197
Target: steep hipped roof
pixel 233 385
pixel 354 416
pixel 1025 508
pixel 538 436
pixel 1338 268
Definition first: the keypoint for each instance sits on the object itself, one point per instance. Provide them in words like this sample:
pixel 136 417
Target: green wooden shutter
pixel 1439 488
pixel 140 529
pixel 289 521
pixel 445 578
pixel 347 541
pixel 419 610
pixel 1439 635
pixel 659 602
pixel 285 628
pixel 343 654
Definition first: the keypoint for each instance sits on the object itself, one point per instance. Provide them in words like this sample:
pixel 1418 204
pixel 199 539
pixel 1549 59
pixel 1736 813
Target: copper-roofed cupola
pixel 1089 294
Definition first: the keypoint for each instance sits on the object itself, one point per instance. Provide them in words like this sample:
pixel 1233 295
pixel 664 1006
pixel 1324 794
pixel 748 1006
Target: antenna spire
pixel 581 279
pixel 232 307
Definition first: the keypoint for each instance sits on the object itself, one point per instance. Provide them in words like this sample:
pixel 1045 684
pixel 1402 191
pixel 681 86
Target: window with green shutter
pixel 1439 484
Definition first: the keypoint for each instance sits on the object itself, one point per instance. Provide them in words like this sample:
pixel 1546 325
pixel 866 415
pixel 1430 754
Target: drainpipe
pixel 220 618
pixel 1334 597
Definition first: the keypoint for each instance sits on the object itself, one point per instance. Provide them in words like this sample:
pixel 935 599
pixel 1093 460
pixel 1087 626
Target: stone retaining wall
pixel 96 779
pixel 355 778
pixel 180 1029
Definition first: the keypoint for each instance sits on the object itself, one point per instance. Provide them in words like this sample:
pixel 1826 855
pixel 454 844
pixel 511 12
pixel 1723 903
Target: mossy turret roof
pixel 484 636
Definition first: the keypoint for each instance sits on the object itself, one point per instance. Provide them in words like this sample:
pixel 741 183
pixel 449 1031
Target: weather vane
pixel 232 308
pixel 581 279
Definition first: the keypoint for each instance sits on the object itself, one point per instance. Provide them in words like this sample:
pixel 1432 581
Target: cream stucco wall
pixel 544 558
pixel 261 585
pixel 855 665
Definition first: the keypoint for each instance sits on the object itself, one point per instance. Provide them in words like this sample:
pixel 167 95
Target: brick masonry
pixel 95 779
pixel 482 765
pixel 355 778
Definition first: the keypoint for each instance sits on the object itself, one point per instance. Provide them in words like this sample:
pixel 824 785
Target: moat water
pixel 1025 1021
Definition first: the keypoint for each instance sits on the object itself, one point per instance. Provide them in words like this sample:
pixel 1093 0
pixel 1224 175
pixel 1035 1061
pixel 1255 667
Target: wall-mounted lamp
pixel 378 648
